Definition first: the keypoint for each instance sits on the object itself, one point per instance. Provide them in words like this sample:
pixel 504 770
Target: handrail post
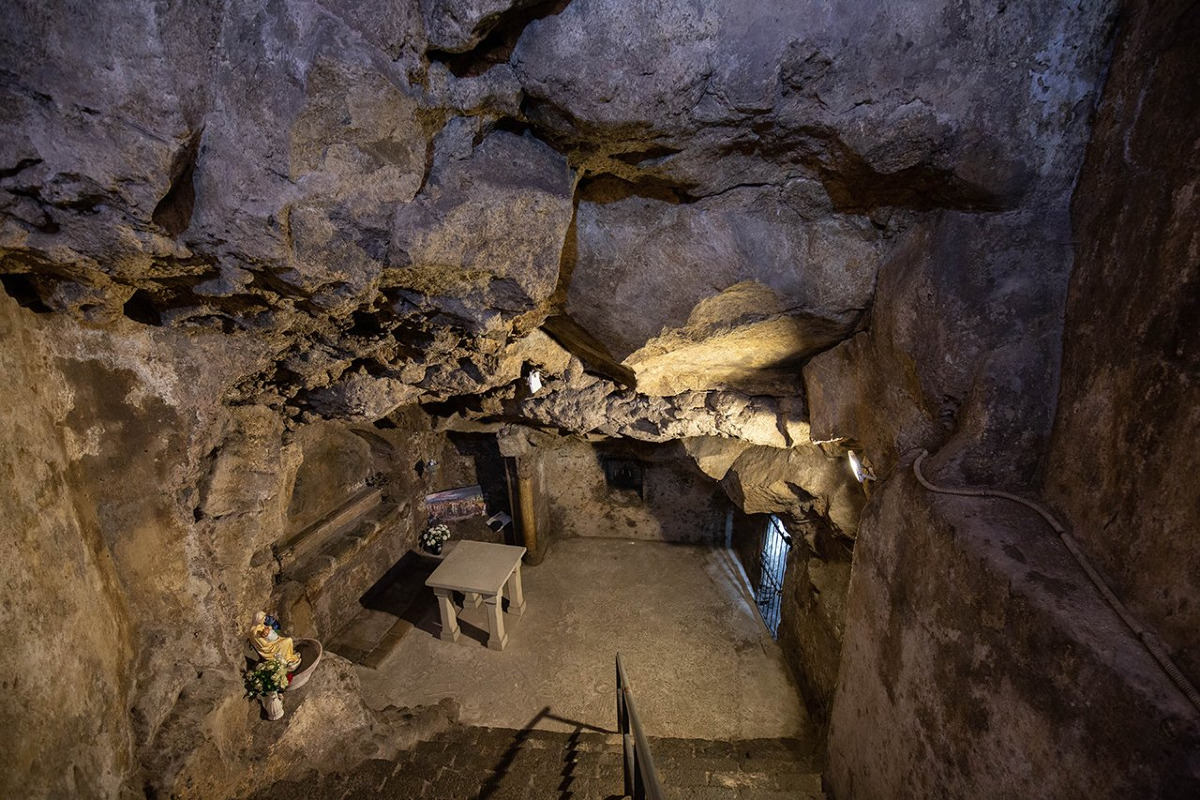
pixel 628 751
pixel 629 763
pixel 622 715
pixel 641 778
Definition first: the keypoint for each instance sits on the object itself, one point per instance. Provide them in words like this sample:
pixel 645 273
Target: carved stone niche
pixel 343 530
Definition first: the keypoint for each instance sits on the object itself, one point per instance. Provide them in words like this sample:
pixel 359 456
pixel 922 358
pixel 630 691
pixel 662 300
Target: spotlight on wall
pixel 861 469
pixel 856 467
pixel 862 472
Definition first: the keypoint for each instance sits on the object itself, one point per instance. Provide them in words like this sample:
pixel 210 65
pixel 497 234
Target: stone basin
pixel 310 651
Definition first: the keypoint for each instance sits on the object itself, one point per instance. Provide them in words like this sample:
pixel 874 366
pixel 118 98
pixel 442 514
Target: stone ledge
pixel 298 546
pixel 967 616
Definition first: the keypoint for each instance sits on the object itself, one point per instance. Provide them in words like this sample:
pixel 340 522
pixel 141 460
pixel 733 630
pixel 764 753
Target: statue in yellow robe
pixel 269 644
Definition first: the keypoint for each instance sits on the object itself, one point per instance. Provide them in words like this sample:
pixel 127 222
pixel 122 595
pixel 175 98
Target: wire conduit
pixel 1148 639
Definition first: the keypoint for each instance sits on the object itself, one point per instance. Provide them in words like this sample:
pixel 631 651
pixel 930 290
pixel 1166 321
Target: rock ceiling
pixel 666 207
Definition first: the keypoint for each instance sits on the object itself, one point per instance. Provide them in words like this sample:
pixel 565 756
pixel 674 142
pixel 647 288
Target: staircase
pixel 499 764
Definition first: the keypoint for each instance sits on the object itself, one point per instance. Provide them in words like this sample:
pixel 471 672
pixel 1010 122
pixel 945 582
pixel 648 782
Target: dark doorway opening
pixel 624 473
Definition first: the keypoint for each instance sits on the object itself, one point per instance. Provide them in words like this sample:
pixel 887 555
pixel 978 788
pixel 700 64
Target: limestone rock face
pixel 945 361
pixel 326 725
pixel 1122 463
pixel 812 625
pixel 142 532
pixel 361 397
pixel 62 610
pixel 715 455
pixel 714 95
pixel 131 571
pixel 634 281
pixel 459 25
pixel 674 504
pixel 267 199
pixel 388 223
pixel 736 340
pixel 769 223
pixel 598 407
pixel 484 238
pixel 978 619
pixel 801 482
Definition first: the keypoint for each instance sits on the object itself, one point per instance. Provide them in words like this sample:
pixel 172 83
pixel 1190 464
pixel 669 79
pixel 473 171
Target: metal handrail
pixel 641 778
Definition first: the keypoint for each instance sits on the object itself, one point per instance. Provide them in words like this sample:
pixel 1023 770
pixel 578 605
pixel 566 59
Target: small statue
pixel 269 644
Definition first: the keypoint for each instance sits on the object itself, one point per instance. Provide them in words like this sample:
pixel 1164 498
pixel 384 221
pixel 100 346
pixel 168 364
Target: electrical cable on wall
pixel 1145 636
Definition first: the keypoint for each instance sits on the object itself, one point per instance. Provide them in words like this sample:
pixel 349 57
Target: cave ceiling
pixel 665 208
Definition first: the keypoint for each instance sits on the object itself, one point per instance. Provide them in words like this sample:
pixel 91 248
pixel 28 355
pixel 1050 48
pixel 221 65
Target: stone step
pixel 496 764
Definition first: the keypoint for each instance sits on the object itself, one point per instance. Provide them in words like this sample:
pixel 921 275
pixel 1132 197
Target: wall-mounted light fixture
pixel 535 382
pixel 862 472
pixel 856 467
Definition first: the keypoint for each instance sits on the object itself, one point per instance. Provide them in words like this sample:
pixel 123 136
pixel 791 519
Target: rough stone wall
pixel 1123 460
pixel 335 464
pixel 128 606
pixel 69 662
pixel 979 662
pixel 812 616
pixel 323 592
pixel 960 356
pixel 962 347
pixel 155 576
pixel 391 203
pixel 309 210
pixel 962 352
pixel 678 503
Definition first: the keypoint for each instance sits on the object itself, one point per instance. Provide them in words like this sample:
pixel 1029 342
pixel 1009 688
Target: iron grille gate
pixel 772 563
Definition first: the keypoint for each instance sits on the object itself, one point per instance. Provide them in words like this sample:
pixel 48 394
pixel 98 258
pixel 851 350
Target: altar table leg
pixel 497 638
pixel 516 597
pixel 445 600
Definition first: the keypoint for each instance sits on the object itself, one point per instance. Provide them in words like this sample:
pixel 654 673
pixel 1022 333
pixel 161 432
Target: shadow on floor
pixel 396 604
pixel 401 591
pixel 570 755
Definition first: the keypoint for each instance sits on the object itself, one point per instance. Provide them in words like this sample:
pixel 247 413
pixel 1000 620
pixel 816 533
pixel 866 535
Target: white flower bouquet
pixel 434 536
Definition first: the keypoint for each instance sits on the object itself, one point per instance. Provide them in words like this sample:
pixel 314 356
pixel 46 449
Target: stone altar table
pixel 480 571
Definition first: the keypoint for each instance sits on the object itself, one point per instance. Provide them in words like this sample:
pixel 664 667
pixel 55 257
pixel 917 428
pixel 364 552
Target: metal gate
pixel 772 563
